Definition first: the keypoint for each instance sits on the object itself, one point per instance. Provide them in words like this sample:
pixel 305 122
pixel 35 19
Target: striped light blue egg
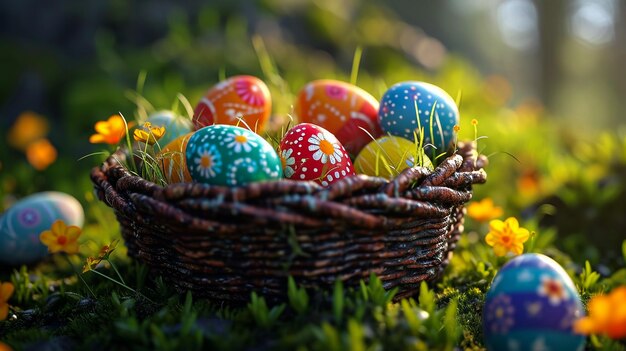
pixel 21 225
pixel 531 305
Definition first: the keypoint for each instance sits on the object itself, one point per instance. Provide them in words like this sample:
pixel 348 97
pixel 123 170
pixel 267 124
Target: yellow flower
pixel 41 154
pixel 607 315
pixel 6 290
pixel 104 254
pixel 61 238
pixel 110 131
pixel 484 210
pixel 148 134
pixel 506 236
pixel 28 127
pixel 474 122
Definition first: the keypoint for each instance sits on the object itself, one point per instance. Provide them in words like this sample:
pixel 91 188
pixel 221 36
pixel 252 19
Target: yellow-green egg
pixel 388 156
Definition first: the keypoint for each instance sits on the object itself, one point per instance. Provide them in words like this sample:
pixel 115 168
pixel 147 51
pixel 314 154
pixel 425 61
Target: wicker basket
pixel 223 243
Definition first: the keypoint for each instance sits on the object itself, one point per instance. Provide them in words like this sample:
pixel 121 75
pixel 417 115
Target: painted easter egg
pixel 437 111
pixel 173 162
pixel 238 97
pixel 233 156
pixel 388 156
pixel 531 305
pixel 175 125
pixel 21 225
pixel 342 109
pixel 310 152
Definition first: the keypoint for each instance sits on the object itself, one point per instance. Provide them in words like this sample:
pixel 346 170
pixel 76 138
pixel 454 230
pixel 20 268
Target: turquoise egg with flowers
pixel 532 305
pixel 407 107
pixel 231 156
pixel 22 223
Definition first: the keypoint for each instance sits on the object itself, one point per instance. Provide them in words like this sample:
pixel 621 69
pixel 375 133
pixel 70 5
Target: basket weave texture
pixel 223 243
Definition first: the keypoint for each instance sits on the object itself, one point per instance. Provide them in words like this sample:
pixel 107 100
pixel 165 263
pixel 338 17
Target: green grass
pixel 576 208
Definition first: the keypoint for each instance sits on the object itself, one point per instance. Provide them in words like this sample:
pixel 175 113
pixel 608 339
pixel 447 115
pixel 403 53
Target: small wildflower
pixel 41 154
pixel 506 236
pixel 61 238
pixel 90 264
pixel 28 128
pixel 457 128
pixel 607 315
pixel 148 134
pixel 474 122
pixel 6 291
pixel 105 253
pixel 484 210
pixel 110 131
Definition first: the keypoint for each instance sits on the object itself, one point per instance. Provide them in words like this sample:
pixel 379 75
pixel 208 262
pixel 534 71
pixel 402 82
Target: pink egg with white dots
pixel 310 152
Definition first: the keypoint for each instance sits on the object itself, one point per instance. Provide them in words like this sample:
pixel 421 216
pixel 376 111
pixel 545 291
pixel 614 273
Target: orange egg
pixel 342 109
pixel 244 97
pixel 172 160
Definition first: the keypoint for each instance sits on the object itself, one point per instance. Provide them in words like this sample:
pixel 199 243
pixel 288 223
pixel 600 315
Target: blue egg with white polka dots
pixel 231 156
pixel 532 304
pixel 22 223
pixel 410 106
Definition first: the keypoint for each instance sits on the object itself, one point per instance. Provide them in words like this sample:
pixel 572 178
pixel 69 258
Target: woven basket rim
pixel 444 186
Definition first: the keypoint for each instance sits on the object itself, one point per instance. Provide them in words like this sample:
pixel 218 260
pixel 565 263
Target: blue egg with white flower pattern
pixel 531 305
pixel 410 106
pixel 22 223
pixel 232 156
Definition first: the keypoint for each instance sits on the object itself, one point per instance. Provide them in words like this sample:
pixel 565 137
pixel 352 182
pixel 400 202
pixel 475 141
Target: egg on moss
pixel 408 106
pixel 345 110
pixel 232 156
pixel 239 97
pixel 531 305
pixel 21 225
pixel 388 156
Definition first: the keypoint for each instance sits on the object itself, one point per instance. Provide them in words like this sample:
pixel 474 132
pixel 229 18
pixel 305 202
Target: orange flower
pixel 28 127
pixel 506 236
pixel 484 210
pixel 6 291
pixel 529 182
pixel 110 131
pixel 148 134
pixel 41 154
pixel 607 315
pixel 61 238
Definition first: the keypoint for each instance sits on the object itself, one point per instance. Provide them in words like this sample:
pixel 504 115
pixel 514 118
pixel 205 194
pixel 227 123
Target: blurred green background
pixel 543 78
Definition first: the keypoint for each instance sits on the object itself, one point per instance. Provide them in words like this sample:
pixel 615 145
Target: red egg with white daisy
pixel 310 152
pixel 238 100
